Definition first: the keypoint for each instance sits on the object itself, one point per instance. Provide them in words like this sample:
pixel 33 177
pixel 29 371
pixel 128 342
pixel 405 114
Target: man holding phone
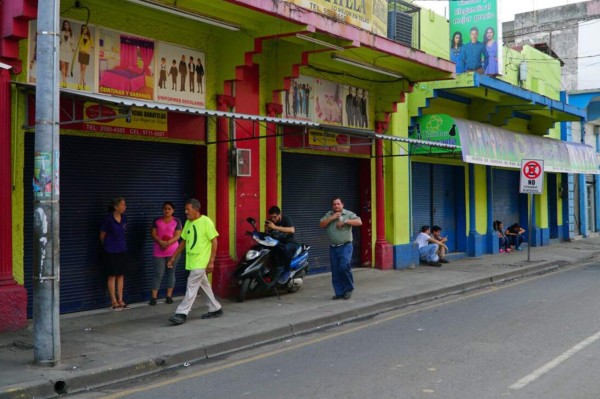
pixel 436 232
pixel 281 228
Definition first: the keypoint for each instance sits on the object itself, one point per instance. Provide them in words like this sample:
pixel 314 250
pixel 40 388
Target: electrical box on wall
pixel 240 162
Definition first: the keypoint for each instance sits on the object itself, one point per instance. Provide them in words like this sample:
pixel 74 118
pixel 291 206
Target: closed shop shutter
pixel 505 194
pixel 308 184
pixel 93 171
pixel 438 199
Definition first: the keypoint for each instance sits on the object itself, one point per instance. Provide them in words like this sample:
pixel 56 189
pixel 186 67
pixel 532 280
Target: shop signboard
pixel 437 128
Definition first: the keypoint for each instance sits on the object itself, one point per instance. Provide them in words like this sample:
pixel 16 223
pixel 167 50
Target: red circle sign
pixel 532 170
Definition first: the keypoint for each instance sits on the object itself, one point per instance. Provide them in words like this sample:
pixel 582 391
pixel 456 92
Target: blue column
pixel 475 244
pixel 583 215
pixel 491 239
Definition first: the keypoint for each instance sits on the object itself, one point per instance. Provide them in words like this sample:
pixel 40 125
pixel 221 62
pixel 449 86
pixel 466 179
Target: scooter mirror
pixel 251 221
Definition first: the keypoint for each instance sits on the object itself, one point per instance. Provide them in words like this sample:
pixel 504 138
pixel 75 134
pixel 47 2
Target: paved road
pixel 537 338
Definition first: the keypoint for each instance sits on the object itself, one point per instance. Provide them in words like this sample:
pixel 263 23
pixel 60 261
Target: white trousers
pixel 198 279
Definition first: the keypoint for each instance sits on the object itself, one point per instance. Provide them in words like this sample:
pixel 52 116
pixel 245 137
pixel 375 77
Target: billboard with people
pixel 475 30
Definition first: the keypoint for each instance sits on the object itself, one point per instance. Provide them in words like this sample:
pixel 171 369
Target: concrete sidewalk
pixel 104 346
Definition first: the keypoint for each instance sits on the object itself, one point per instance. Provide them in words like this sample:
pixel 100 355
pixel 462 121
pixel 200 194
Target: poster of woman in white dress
pixel 76 55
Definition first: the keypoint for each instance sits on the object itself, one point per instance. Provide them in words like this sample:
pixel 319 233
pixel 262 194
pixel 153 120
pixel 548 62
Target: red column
pixel 384 256
pixel 224 264
pixel 13 297
pixel 272 155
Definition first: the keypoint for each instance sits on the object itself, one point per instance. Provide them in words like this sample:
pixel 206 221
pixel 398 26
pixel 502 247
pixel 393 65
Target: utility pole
pixel 46 245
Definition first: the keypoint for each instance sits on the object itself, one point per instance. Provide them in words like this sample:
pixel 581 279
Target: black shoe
pixel 212 315
pixel 444 260
pixel 336 297
pixel 152 302
pixel 437 264
pixel 347 295
pixel 178 318
pixel 169 300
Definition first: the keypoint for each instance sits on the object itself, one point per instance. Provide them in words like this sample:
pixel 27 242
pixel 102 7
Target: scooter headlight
pixel 252 254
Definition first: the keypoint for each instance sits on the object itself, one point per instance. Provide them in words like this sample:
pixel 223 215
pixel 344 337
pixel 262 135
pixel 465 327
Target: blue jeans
pixel 429 253
pixel 516 240
pixel 160 265
pixel 341 272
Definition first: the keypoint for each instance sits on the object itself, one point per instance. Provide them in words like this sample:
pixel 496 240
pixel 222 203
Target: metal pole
pixel 530 197
pixel 46 245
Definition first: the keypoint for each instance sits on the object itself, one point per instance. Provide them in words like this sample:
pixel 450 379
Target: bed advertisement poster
pixel 326 102
pixel 180 76
pixel 77 67
pixel 125 65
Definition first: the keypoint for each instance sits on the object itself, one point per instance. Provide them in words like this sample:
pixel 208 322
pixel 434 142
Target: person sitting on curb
pixel 428 247
pixel 515 235
pixel 503 241
pixel 436 232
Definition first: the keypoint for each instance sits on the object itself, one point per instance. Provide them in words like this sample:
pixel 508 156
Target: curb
pixel 102 376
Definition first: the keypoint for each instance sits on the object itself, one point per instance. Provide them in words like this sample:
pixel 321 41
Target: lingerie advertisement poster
pixel 77 67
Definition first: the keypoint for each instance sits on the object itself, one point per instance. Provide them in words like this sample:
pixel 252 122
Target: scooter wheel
pixel 243 290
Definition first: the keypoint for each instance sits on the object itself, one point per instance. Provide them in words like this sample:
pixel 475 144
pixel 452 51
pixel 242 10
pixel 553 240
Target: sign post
pixel 532 182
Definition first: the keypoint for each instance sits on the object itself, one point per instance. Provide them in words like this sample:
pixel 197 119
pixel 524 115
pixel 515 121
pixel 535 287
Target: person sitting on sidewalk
pixel 428 247
pixel 503 241
pixel 515 236
pixel 436 232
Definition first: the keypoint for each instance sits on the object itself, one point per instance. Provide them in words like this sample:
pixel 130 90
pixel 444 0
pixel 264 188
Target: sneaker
pixel 501 250
pixel 336 297
pixel 444 260
pixel 152 302
pixel 212 315
pixel 169 300
pixel 508 250
pixel 437 264
pixel 348 295
pixel 519 249
pixel 178 318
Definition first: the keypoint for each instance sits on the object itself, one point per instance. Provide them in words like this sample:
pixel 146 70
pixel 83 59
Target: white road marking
pixel 555 362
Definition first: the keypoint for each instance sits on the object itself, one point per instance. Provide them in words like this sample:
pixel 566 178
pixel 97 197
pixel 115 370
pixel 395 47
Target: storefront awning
pixel 489 145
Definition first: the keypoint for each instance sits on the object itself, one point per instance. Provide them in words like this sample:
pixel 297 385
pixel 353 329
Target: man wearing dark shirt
pixel 474 56
pixel 281 228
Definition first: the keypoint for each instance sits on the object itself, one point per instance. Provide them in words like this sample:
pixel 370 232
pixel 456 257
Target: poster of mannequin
pixel 181 76
pixel 125 65
pixel 328 102
pixel 76 55
pixel 356 107
pixel 298 101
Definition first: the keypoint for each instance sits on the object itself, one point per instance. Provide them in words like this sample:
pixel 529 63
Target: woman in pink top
pixel 166 231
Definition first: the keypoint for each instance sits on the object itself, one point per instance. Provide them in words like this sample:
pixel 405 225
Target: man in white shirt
pixel 428 247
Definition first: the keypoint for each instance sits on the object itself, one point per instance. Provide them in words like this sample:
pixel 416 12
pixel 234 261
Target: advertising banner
pixel 475 29
pixel 299 101
pixel 370 15
pixel 490 145
pixel 76 55
pixel 142 122
pixel 181 76
pixel 125 65
pixel 439 128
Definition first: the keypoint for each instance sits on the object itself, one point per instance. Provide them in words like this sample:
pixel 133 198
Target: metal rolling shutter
pixel 505 196
pixel 308 184
pixel 421 179
pixel 94 170
pixel 445 190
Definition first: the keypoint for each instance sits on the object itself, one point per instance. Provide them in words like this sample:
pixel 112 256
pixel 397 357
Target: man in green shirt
pixel 199 240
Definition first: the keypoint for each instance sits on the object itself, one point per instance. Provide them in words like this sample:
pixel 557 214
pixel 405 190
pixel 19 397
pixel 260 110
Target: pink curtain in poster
pixel 129 55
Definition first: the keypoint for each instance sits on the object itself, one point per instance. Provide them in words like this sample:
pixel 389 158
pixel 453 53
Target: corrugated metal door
pixel 308 184
pixel 94 170
pixel 505 196
pixel 436 194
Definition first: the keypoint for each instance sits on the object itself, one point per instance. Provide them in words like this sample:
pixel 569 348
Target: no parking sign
pixel 532 176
